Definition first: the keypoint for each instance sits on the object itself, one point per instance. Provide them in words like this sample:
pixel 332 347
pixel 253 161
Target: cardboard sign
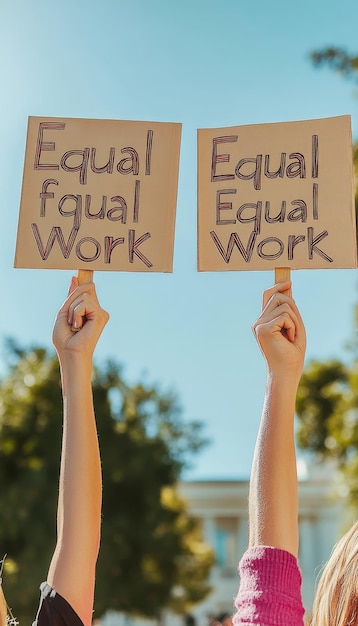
pixel 276 195
pixel 98 195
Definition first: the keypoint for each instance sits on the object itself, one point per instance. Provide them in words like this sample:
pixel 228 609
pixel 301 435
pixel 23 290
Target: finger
pixel 84 308
pixel 276 320
pixel 77 294
pixel 277 303
pixel 283 317
pixel 276 300
pixel 87 312
pixel 73 285
pixel 279 298
pixel 290 327
pixel 283 321
pixel 282 326
pixel 79 310
pixel 278 288
pixel 275 309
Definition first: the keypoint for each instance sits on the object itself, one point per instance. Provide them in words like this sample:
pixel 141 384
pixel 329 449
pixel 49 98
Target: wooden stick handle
pixel 85 276
pixel 282 274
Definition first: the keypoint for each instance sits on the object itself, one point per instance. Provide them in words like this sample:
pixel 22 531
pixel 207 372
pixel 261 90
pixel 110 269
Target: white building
pixel 221 508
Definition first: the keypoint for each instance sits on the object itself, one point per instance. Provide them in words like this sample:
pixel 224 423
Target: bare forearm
pixel 80 476
pixel 273 508
pixel 80 489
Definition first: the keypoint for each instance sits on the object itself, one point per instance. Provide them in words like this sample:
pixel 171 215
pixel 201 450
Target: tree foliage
pixel 338 59
pixel 327 400
pixel 321 403
pixel 327 409
pixel 150 544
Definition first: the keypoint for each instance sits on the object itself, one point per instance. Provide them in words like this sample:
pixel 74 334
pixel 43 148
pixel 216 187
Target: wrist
pixel 284 373
pixel 76 369
pixel 283 384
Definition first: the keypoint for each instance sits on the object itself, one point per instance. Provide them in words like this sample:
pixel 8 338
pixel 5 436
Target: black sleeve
pixel 54 610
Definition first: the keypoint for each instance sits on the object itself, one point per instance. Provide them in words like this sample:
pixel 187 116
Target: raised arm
pixel 273 508
pixel 77 329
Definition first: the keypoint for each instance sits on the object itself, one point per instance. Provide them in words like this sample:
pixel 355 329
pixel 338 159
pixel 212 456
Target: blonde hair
pixel 336 602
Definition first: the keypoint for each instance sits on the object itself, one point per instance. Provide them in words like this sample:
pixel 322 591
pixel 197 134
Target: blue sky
pixel 204 64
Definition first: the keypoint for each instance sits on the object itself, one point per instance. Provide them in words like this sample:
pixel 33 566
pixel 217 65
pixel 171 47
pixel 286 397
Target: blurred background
pixel 184 337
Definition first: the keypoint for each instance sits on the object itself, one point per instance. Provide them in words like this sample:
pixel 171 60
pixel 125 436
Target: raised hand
pixel 280 332
pixel 79 322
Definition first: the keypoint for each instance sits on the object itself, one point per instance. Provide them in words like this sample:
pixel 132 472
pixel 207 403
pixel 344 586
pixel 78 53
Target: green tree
pixel 327 400
pixel 327 410
pixel 338 59
pixel 150 544
pixel 321 403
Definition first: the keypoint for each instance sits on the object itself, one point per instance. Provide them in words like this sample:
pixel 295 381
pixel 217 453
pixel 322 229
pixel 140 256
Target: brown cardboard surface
pixel 272 195
pixel 98 195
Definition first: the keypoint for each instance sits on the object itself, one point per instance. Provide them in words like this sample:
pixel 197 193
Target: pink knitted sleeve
pixel 270 589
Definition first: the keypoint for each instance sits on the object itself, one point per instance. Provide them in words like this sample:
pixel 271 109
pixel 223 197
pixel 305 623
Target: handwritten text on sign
pixel 276 195
pixel 98 194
